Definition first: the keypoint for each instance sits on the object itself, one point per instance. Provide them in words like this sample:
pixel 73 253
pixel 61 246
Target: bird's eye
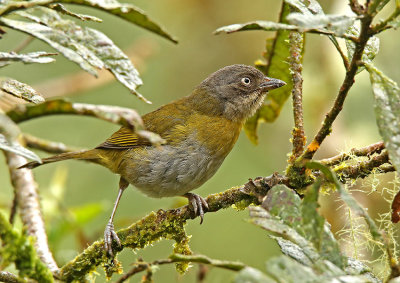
pixel 246 81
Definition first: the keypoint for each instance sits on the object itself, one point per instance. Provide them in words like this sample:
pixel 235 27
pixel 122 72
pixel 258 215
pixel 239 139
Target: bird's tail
pixel 89 155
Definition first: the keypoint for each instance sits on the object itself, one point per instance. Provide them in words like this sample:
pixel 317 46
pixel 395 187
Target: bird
pixel 199 131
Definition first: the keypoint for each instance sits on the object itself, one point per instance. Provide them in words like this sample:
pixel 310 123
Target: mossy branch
pixel 166 224
pixel 296 40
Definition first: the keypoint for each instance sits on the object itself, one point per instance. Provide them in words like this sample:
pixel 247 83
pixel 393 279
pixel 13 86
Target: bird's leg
pixel 198 203
pixel 109 232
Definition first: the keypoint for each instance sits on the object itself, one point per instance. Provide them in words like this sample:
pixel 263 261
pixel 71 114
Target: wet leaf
pixel 292 250
pixel 387 112
pixel 20 90
pixel 16 148
pixel 91 48
pixel 125 11
pixel 33 57
pixel 336 24
pixel 370 50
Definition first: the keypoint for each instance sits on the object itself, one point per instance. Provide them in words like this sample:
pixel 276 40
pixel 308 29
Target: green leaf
pixel 387 112
pixel 312 222
pixel 57 39
pixel 292 250
pixel 7 58
pixel 277 68
pixel 283 203
pixel 87 47
pixel 289 270
pixel 16 148
pixel 63 10
pixel 336 24
pixel 20 90
pixel 256 25
pixel 375 6
pixel 127 12
pixel 252 275
pixel 370 51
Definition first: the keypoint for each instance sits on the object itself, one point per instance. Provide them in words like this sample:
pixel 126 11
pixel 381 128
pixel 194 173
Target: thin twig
pixel 46 145
pixel 326 128
pixel 364 151
pixel 29 207
pixel 141 266
pixel 114 114
pixel 13 210
pixel 296 50
pixel 23 44
pixel 342 55
pixel 362 169
pixel 8 277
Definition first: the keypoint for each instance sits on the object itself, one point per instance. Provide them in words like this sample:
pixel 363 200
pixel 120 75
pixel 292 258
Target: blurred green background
pixel 170 71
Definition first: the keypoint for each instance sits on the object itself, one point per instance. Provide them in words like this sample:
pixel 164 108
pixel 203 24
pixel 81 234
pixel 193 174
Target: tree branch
pixel 364 151
pixel 10 278
pixel 114 114
pixel 46 145
pixel 362 169
pixel 296 50
pixel 29 207
pixel 326 128
pixel 165 224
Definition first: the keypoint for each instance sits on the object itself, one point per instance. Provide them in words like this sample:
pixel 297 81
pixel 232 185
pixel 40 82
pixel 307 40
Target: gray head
pixel 237 91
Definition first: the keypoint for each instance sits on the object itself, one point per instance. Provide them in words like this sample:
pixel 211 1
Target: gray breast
pixel 172 171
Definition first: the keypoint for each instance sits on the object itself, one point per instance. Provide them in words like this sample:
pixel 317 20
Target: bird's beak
pixel 271 83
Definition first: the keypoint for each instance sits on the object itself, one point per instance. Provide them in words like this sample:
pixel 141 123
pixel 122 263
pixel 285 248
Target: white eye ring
pixel 246 81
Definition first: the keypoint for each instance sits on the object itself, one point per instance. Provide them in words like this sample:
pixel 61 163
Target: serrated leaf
pixel 18 149
pixel 20 90
pixel 58 40
pixel 92 46
pixel 387 112
pixel 252 275
pixel 337 24
pixel 370 51
pixel 101 47
pixel 125 11
pixel 62 9
pixel 7 58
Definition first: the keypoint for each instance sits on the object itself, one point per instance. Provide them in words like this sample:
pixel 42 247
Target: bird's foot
pixel 109 236
pixel 198 204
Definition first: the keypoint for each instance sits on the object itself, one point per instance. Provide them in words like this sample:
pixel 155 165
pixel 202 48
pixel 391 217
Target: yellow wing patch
pixel 124 138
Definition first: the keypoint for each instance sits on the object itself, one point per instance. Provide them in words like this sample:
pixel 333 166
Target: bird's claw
pixel 198 204
pixel 109 236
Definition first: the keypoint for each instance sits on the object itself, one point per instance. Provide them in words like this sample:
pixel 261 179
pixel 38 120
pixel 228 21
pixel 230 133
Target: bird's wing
pixel 124 138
